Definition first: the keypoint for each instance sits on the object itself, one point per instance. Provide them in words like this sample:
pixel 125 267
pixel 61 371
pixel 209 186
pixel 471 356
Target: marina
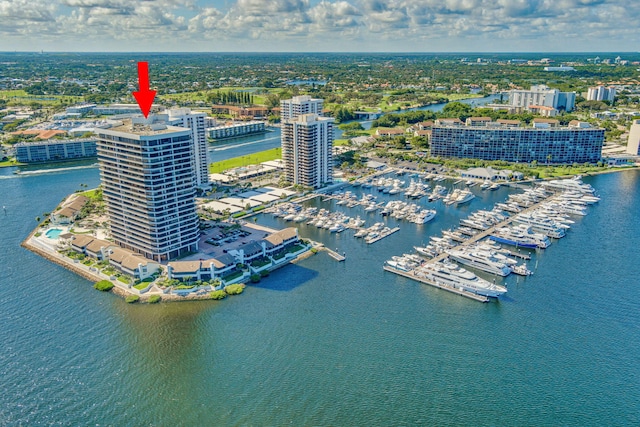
pixel 338 318
pixel 541 219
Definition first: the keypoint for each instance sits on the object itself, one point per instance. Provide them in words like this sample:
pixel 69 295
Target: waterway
pixel 243 146
pixel 325 343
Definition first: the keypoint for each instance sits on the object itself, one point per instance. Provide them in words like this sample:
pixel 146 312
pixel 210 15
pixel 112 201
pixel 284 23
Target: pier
pixel 485 233
pixel 480 235
pixel 335 255
pixel 458 291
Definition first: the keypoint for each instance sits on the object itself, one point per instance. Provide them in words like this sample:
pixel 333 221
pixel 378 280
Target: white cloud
pixel 325 25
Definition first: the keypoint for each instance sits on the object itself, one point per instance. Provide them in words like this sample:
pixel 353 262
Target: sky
pixel 320 26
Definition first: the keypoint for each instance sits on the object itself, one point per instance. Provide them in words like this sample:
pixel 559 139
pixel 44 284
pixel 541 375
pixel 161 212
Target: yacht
pixel 423 216
pixel 542 225
pixel 336 228
pixel 361 233
pixel 398 265
pixel 572 184
pixel 520 236
pixel 464 196
pixel 452 275
pixel 484 261
pixel 425 251
pixel 521 270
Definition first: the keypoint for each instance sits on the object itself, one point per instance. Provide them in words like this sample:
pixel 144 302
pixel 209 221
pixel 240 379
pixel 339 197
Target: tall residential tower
pixel 183 117
pixel 307 142
pixel 147 173
pixel 299 105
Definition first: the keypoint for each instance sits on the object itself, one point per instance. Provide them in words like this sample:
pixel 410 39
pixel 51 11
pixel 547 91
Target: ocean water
pixel 327 343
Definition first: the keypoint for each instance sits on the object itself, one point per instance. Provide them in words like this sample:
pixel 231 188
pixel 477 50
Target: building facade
pixel 541 95
pixel 55 150
pixel 147 173
pixel 633 143
pixel 544 145
pixel 235 129
pixel 183 117
pixel 601 93
pixel 307 143
pixel 299 105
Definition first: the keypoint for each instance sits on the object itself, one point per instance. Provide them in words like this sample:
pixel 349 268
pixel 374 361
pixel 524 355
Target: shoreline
pixel 120 289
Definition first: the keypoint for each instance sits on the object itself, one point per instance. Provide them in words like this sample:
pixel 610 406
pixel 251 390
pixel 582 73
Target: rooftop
pixel 143 127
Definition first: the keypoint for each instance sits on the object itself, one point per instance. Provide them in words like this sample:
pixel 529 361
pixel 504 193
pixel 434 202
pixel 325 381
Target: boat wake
pixel 19 174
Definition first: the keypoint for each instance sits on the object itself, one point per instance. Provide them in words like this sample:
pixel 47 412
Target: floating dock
pixel 335 255
pixel 458 291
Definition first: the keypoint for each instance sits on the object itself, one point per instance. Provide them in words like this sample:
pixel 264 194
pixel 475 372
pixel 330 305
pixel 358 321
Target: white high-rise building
pixel 601 93
pixel 633 143
pixel 307 143
pixel 196 121
pixel 541 95
pixel 146 169
pixel 292 108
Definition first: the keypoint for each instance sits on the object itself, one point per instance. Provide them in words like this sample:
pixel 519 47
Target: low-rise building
pixel 131 263
pixel 69 210
pixel 235 130
pixel 55 150
pixel 390 132
pixel 202 269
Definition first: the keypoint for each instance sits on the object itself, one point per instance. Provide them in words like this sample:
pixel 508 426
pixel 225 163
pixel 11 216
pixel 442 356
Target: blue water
pixel 326 343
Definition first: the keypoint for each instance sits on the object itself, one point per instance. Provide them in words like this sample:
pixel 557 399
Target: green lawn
pixel 252 159
pixel 19 97
pixel 10 162
pixel 459 96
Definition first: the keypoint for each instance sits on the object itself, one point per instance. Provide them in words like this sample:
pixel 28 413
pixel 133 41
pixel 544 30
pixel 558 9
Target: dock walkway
pixel 482 234
pixel 335 255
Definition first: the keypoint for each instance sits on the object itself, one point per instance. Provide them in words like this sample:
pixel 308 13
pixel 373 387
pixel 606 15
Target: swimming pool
pixel 53 233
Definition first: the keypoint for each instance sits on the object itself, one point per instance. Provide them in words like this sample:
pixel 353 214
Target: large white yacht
pixel 542 225
pixel 573 184
pixel 520 236
pixel 464 196
pixel 482 260
pixel 452 275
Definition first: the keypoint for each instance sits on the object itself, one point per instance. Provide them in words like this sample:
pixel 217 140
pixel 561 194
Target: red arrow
pixel 144 96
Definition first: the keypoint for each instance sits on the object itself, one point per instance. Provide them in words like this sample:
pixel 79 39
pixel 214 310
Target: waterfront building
pixel 542 95
pixel 184 117
pixel 148 178
pixel 242 113
pixel 114 109
pixel 601 93
pixel 80 109
pixel 69 210
pixel 307 143
pixel 235 129
pixel 542 143
pixel 292 108
pixel 633 143
pixel 55 150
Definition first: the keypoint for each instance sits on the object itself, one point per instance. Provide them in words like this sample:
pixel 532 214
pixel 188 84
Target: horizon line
pixel 41 51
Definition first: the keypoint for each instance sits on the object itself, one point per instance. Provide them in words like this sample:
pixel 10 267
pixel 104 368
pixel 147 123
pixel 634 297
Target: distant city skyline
pixel 320 26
